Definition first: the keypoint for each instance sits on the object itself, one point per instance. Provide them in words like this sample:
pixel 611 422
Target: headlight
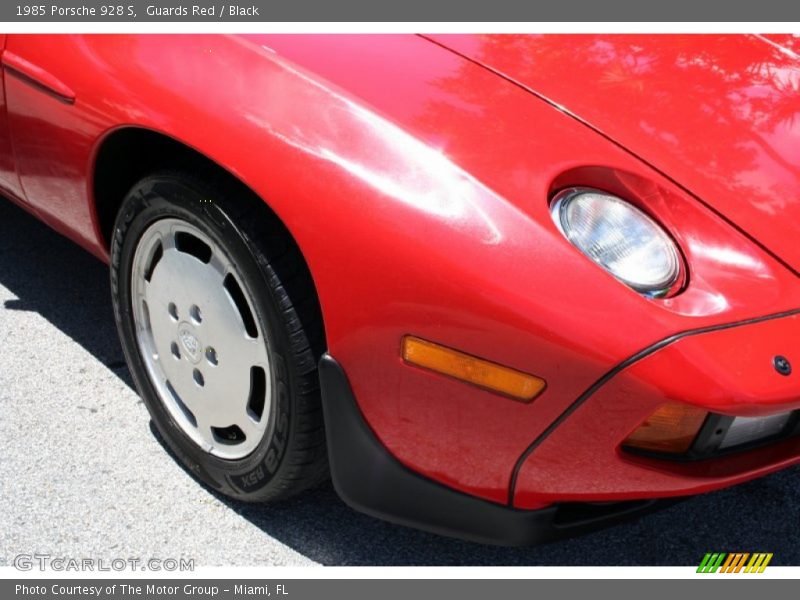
pixel 620 238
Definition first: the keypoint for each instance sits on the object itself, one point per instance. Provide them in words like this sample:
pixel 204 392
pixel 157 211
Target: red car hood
pixel 720 115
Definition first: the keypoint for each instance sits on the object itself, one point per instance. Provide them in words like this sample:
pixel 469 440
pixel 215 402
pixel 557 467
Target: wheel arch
pixel 127 154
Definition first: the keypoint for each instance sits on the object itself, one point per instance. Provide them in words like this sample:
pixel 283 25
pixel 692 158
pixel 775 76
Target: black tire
pixel 291 455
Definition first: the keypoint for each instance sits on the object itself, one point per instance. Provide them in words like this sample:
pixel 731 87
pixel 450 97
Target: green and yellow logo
pixel 734 562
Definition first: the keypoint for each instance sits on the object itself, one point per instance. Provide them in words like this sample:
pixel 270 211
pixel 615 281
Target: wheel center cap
pixel 190 342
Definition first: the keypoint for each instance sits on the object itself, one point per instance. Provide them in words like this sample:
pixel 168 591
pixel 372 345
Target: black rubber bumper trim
pixel 368 478
pixel 620 367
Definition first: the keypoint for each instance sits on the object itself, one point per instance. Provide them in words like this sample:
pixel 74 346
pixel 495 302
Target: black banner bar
pixel 408 10
pixel 727 587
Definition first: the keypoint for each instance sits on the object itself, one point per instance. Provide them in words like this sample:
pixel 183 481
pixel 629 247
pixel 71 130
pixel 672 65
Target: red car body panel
pixel 417 185
pixel 717 113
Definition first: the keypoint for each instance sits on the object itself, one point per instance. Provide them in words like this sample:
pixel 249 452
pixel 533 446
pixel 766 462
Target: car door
pixel 52 128
pixel 9 181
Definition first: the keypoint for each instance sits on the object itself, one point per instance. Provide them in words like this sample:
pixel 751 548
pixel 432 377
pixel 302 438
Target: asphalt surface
pixel 82 473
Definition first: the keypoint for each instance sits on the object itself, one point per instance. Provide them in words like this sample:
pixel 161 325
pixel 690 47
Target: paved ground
pixel 82 473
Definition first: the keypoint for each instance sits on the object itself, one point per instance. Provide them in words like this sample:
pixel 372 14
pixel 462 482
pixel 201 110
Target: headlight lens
pixel 620 238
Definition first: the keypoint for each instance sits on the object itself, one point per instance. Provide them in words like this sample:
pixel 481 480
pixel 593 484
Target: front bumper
pixel 726 370
pixel 576 469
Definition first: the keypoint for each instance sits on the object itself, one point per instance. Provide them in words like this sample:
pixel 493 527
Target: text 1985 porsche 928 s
pixel 501 287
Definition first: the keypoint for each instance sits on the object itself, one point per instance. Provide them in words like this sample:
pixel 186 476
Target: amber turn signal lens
pixel 671 429
pixel 485 374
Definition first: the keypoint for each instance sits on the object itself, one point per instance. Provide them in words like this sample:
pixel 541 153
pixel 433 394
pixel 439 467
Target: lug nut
pixel 194 313
pixel 211 356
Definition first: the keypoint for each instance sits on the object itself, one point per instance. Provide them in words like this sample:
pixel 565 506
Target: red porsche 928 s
pixel 507 287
